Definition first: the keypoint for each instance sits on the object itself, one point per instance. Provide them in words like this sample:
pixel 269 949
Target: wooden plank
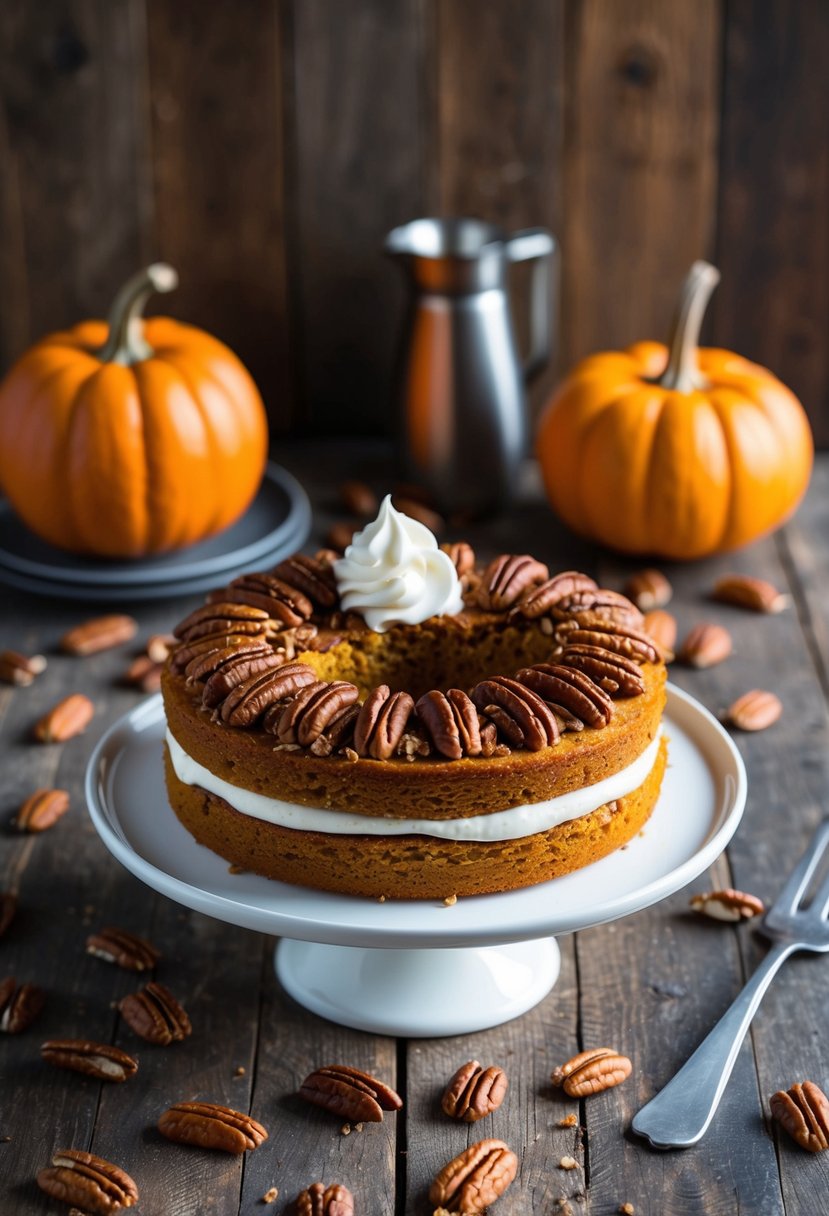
pixel 309 1144
pixel 75 191
pixel 773 246
pixel 528 1049
pixel 358 173
pixel 219 164
pixel 641 126
pixel 497 112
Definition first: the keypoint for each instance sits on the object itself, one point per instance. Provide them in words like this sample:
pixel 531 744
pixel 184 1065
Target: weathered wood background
pixel 266 146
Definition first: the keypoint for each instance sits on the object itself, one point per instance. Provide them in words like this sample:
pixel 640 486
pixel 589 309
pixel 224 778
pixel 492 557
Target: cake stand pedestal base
pixel 418 993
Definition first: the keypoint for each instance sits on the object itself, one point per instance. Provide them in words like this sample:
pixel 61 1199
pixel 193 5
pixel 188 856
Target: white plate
pixel 698 811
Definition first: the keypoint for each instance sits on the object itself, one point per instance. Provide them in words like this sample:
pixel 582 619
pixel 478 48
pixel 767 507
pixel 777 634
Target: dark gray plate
pixel 275 525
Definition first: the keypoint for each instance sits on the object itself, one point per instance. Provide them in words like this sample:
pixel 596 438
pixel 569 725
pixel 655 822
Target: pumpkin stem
pixel 126 342
pixel 682 372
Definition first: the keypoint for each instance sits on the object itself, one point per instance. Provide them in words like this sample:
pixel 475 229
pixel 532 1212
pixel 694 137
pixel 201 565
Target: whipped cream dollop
pixel 393 572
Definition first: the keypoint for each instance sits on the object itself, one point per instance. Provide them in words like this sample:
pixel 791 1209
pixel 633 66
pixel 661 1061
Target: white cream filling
pixel 512 824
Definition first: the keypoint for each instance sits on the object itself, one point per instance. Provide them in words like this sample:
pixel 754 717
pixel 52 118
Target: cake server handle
pixel 680 1113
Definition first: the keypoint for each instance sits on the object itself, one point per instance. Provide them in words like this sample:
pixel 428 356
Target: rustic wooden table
pixel 650 985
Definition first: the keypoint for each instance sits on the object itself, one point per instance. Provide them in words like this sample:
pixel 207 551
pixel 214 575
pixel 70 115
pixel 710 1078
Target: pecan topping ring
pixel 279 600
pixel 19 1005
pixel 319 1200
pixel 573 689
pixel 585 629
pixel 804 1112
pixel 349 1093
pixel 475 1178
pixel 474 1092
pixel 612 672
pixel 225 669
pixel 609 606
pixel 507 578
pixel 451 721
pixel 184 655
pixel 221 618
pixel 590 1072
pixel 122 948
pixel 313 710
pixel 154 1014
pixel 310 576
pixel 100 1060
pixel 88 1182
pixel 208 1125
pixel 382 722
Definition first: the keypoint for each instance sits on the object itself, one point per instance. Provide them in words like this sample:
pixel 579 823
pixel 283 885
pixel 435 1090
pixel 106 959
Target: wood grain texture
pixel 219 154
pixel 75 183
pixel 641 128
pixel 358 173
pixel 773 240
pixel 496 125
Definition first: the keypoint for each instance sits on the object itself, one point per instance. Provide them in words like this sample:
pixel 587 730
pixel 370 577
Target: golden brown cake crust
pixel 410 867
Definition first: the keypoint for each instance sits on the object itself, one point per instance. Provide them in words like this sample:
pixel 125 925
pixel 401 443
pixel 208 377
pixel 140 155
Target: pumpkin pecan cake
pixel 407 722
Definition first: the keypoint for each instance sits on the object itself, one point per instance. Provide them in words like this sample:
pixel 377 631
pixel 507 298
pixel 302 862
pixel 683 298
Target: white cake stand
pixel 420 968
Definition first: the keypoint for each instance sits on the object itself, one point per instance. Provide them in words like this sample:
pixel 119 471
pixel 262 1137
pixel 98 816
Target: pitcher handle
pixel 524 246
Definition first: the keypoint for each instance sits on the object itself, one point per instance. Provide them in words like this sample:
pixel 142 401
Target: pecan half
pixel 507 578
pixel 747 592
pixel 602 604
pixel 160 646
pixel 19 1004
pixel 612 672
pixel 100 633
pixel 573 689
pixel 349 1093
pixel 222 617
pixel 536 601
pixel 248 700
pixel 382 722
pixel 338 734
pixel 313 710
pixel 154 1014
pixel 475 1178
pixel 474 1092
pixel 648 589
pixel 41 810
pixel 310 576
pixel 100 1060
pixel 20 669
pixel 804 1112
pixel 281 601
pixel 211 644
pixel 587 630
pixel 224 670
pixel 340 535
pixel 661 626
pixel 87 1182
pixel 462 556
pixel 143 673
pixel 125 949
pixel 209 1125
pixel 754 710
pixel 590 1072
pixel 68 718
pixel 451 722
pixel 706 645
pixel 728 904
pixel 519 706
pixel 358 498
pixel 319 1200
pixel 8 908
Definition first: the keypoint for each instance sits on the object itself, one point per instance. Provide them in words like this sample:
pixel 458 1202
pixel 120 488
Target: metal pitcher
pixel 463 410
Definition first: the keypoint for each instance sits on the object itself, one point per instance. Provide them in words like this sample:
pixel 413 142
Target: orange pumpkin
pixel 131 438
pixel 674 451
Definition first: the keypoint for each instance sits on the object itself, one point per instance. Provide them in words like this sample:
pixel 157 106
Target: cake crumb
pixel 240 1071
pixel 345 1130
pixel 235 869
pixel 270 1196
pixel 546 626
pixel 358 1127
pixel 627 1209
pixel 568 1163
pixel 450 900
pixel 568 1121
pixel 350 755
pixel 381 899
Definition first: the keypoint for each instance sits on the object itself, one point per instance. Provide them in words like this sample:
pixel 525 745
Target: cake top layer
pixel 284 652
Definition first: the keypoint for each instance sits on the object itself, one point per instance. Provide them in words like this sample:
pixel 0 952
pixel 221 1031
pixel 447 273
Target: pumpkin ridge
pixel 66 476
pixel 215 479
pixel 585 484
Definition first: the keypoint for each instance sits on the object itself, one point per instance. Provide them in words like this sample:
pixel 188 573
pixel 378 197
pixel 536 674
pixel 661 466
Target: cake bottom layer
pixel 410 867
